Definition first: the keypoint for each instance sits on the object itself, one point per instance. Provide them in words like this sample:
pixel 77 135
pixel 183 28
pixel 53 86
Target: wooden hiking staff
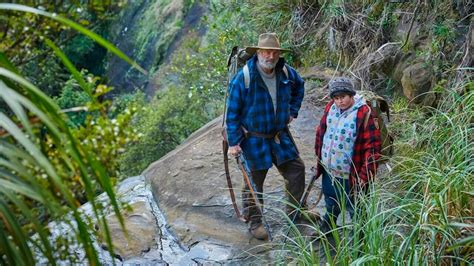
pixel 315 177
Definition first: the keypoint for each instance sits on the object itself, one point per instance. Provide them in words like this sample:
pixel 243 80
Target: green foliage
pixel 442 41
pixel 45 172
pixel 30 177
pixel 445 175
pixel 79 46
pixel 107 138
pixel 165 123
pixel 443 30
pixel 335 9
pixel 319 55
pixel 86 54
pixel 286 18
pixel 22 40
pixel 47 72
pixel 73 96
pixel 126 101
pixel 102 128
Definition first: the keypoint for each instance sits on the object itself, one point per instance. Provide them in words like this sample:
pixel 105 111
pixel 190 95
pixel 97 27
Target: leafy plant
pixel 30 178
pixel 23 33
pixel 73 96
pixel 163 125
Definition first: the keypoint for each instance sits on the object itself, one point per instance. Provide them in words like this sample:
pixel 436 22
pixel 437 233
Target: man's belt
pixel 275 135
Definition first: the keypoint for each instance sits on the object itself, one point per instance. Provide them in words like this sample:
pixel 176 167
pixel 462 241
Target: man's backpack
pixel 378 105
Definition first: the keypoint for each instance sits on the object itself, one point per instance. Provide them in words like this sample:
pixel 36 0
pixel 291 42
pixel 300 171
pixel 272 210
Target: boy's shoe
pixel 310 217
pixel 305 216
pixel 258 231
pixel 324 230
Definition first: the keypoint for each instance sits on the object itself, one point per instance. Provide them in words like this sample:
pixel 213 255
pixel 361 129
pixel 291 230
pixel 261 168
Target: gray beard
pixel 265 64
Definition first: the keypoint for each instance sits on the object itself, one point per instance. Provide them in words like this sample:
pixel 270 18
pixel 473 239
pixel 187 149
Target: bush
pixel 44 171
pixel 72 95
pixel 165 122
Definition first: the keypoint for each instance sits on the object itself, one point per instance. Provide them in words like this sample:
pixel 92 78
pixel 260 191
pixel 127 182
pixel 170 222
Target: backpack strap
pixel 246 76
pixel 367 116
pixel 285 70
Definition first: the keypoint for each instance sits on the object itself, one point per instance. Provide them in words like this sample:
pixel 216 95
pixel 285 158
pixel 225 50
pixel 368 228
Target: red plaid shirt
pixel 367 147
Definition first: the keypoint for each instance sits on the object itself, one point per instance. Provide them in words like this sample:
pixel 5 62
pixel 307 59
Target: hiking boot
pixel 258 231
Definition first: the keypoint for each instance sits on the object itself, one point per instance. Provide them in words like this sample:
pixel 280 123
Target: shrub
pixel 39 159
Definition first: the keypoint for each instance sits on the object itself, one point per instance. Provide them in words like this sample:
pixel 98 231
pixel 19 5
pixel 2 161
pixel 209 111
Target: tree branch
pixel 411 24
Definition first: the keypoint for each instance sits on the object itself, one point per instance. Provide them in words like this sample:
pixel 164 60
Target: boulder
pixel 403 28
pixel 384 58
pixel 417 82
pixel 141 231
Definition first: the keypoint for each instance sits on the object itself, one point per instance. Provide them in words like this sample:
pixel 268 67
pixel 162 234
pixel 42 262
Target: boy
pixel 347 147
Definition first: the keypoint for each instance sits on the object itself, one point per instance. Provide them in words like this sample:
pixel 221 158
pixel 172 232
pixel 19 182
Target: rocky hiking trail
pixel 190 187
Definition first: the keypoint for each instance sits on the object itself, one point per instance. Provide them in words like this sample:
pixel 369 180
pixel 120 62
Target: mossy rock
pixel 417 82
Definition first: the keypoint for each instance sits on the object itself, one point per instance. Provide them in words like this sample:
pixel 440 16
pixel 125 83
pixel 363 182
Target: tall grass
pixel 422 212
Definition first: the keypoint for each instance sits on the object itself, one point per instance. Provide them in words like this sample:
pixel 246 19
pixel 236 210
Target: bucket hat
pixel 266 41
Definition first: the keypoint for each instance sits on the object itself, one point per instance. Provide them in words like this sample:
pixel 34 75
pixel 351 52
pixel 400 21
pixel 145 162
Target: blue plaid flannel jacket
pixel 252 109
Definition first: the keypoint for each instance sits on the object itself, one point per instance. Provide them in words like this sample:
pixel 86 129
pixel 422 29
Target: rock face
pixel 141 227
pixel 190 185
pixel 416 82
pixel 149 31
pixel 149 240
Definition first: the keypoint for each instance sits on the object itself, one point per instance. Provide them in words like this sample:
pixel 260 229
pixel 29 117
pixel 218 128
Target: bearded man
pixel 258 114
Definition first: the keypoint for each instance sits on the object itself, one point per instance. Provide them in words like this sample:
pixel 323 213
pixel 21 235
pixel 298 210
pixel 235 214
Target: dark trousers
pixel 294 173
pixel 337 194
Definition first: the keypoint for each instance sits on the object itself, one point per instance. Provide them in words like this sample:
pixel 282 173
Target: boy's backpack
pixel 378 105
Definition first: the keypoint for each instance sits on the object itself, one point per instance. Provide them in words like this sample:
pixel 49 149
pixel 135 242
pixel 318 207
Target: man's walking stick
pixel 242 163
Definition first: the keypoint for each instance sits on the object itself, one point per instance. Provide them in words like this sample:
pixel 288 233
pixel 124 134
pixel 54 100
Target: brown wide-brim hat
pixel 267 41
